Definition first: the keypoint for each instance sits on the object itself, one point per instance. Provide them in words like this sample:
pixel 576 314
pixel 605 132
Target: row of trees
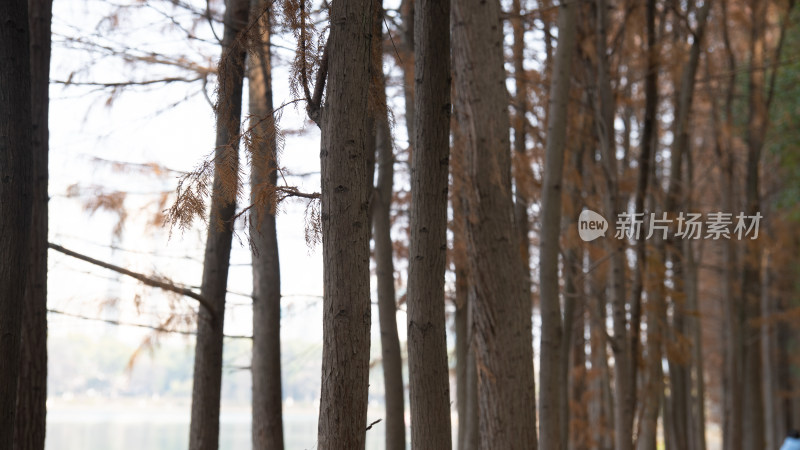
pixel 644 107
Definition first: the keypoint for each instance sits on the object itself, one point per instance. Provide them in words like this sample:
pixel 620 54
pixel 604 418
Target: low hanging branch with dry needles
pixel 158 282
pixel 194 188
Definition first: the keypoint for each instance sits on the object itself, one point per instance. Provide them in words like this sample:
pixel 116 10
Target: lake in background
pixel 151 425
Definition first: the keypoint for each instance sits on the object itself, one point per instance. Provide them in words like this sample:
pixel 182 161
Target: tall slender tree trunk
pixel 753 405
pixel 32 389
pixel 772 439
pixel 552 388
pixel 731 333
pixel 523 176
pixel 267 413
pixel 384 264
pixel 466 371
pixel 753 423
pixel 501 312
pixel 601 411
pixel 204 427
pixel 346 188
pixel 16 199
pixel 429 380
pixel 680 383
pixel 624 368
pixel 646 439
pixel 575 424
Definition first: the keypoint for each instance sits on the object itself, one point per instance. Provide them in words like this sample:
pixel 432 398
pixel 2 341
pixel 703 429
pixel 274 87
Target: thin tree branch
pixel 149 281
pixel 314 106
pixel 138 325
pixel 778 51
pixel 372 424
pixel 127 83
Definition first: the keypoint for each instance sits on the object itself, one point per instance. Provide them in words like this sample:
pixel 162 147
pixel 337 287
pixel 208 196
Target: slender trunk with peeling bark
pixel 267 412
pixel 206 390
pixel 32 389
pixel 346 188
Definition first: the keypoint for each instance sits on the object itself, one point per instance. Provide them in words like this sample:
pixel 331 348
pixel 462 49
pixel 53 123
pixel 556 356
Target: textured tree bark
pixel 204 427
pixel 267 413
pixel 345 228
pixel 429 375
pixel 16 195
pixel 32 389
pixel 501 312
pixel 394 386
pixel 552 388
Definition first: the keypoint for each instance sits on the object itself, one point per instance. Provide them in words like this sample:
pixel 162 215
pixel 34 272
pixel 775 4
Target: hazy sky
pixel 172 125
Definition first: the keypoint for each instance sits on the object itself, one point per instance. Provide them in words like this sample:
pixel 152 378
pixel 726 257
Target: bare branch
pixel 127 83
pixel 138 325
pixel 164 284
pixel 315 103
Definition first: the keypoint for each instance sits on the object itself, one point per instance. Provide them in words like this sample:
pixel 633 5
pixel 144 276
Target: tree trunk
pixel 695 374
pixel 753 404
pixel 772 439
pixel 32 389
pixel 680 382
pixel 466 371
pixel 429 381
pixel 601 411
pixel 345 228
pixel 523 175
pixel 731 332
pixel 394 387
pixel 501 312
pixel 16 199
pixel 267 415
pixel 204 427
pixel 624 367
pixel 646 439
pixel 552 388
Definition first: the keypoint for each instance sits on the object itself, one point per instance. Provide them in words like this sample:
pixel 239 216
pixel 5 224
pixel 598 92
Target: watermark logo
pixel 591 225
pixel 717 225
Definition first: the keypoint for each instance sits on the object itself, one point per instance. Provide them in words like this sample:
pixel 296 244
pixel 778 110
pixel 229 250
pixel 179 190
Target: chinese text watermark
pixel 713 225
